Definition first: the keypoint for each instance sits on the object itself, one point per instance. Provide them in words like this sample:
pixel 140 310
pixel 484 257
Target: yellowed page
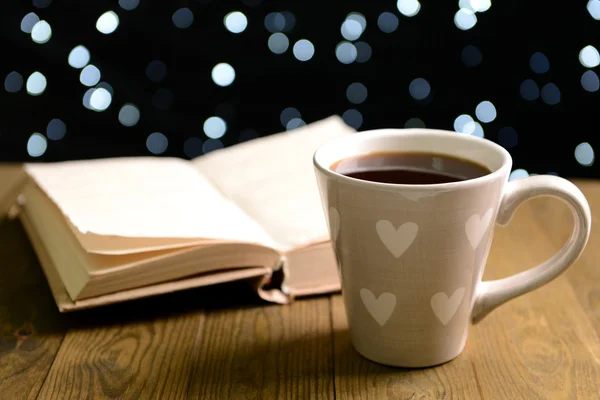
pixel 273 180
pixel 155 198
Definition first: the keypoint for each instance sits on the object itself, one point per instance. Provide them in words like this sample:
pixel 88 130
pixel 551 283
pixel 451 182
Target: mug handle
pixel 491 294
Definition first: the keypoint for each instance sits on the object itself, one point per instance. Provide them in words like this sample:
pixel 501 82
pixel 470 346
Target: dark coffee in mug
pixel 409 168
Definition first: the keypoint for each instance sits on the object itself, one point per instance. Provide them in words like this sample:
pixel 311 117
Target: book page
pixel 154 198
pixel 273 180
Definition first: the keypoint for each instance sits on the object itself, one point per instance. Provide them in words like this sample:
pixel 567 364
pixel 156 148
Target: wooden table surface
pixel 207 344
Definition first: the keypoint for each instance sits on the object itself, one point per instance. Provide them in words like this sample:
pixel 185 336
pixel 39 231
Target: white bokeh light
pixel 593 7
pixel 590 81
pixel 36 84
pixel 465 19
pixel 464 124
pixel 215 127
pixel 358 17
pixel 278 43
pixel 518 174
pixel 37 145
pixel 589 57
pixel 351 29
pixel 294 123
pixel 303 50
pixel 485 111
pixel 90 75
pixel 129 115
pixel 235 22
pixel 100 99
pixel 223 74
pixel 346 52
pixel 419 89
pixel 41 32
pixel 408 8
pixel 584 154
pixel 479 5
pixel 29 21
pixel 108 22
pixel 79 57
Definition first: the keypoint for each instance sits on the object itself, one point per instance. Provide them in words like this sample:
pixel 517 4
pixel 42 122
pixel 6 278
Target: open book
pixel 110 230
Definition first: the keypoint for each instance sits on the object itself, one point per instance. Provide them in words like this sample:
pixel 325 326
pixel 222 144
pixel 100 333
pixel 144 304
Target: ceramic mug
pixel 411 257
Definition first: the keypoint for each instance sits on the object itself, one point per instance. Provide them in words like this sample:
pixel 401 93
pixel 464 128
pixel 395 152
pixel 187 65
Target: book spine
pixel 273 286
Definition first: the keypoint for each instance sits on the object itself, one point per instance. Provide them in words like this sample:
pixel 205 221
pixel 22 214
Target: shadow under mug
pixel 411 257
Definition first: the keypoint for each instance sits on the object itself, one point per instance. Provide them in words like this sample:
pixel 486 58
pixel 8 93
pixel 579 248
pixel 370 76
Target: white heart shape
pixel 416 196
pixel 443 307
pixel 334 222
pixel 381 309
pixel 396 240
pixel 476 226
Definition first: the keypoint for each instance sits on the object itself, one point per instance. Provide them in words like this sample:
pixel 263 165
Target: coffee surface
pixel 409 168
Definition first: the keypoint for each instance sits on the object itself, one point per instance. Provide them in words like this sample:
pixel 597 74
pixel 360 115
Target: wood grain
pixel 358 378
pixel 271 352
pixel 540 345
pixel 31 329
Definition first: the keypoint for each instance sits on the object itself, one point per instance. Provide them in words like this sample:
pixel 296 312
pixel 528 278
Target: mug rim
pixel 373 134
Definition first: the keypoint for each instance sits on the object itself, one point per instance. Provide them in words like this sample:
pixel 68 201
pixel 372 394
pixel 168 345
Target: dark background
pixel 428 45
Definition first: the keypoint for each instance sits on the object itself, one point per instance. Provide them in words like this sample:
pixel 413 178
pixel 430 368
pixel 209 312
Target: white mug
pixel 411 257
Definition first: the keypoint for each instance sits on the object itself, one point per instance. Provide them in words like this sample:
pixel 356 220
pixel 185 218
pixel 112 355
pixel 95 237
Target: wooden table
pixel 202 344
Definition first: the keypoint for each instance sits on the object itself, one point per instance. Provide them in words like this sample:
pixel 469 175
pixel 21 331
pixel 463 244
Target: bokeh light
pixel 129 115
pixel 36 84
pixel 278 43
pixel 589 57
pixel 235 22
pixel 303 50
pixel 471 56
pixel 353 118
pixel 79 57
pixel 37 145
pixel 192 147
pixel 465 19
pixel 519 173
pixel 346 52
pixel 584 154
pixel 288 114
pixel 589 81
pixel 413 123
pixel 157 143
pixel 183 18
pixel 363 52
pixel 223 74
pixel 90 75
pixel 13 82
pixel 356 93
pixel 107 23
pixel 551 94
pixel 41 32
pixel 529 90
pixel 294 123
pixel 156 71
pixel 358 17
pixel 212 145
pixel 275 22
pixel 215 127
pixel 419 89
pixel 408 8
pixel 464 124
pixel 100 99
pixel 593 7
pixel 485 111
pixel 129 4
pixel 539 63
pixel 351 29
pixel 29 21
pixel 387 22
pixel 41 3
pixel 56 129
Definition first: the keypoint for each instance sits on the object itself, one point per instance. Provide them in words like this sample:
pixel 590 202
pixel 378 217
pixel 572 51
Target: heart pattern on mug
pixel 398 240
pixel 334 222
pixel 477 226
pixel 445 307
pixel 380 308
